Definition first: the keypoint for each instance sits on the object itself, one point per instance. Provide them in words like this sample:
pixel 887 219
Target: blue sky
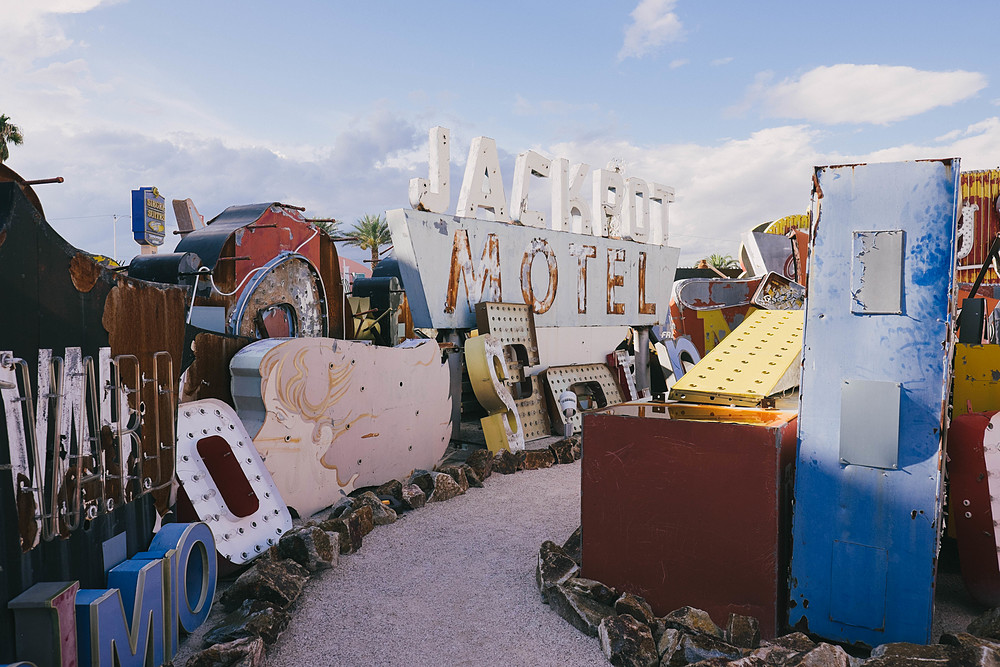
pixel 327 105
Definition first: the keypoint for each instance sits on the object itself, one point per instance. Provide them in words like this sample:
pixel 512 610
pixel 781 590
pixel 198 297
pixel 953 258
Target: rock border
pixel 632 636
pixel 257 603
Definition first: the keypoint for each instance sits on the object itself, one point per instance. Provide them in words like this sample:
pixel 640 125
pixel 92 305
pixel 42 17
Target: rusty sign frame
pixel 865 533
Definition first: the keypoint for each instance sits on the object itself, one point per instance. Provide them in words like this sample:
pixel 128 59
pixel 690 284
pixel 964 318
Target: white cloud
pixel 680 62
pixel 654 23
pixel 722 61
pixel 726 189
pixel 978 146
pixel 723 190
pixel 355 175
pixel 32 30
pixel 877 94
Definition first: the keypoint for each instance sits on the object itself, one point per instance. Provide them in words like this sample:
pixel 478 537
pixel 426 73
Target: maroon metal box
pixel 691 513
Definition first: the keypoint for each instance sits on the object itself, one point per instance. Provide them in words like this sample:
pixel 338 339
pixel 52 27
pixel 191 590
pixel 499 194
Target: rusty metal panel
pixel 979 223
pixel 273 272
pixel 722 542
pixel 569 279
pixel 973 479
pixel 860 529
pixel 87 327
pixel 330 416
pixel 758 360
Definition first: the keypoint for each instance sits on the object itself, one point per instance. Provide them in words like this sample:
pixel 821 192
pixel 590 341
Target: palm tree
pixel 723 262
pixel 370 233
pixel 9 134
pixel 329 226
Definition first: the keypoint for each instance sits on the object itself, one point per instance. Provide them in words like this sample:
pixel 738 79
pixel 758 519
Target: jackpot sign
pixel 588 262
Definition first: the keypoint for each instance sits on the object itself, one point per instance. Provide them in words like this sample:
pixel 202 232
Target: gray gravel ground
pixel 453 584
pixel 449 584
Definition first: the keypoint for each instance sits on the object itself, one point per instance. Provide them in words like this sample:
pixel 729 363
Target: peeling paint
pixel 537 246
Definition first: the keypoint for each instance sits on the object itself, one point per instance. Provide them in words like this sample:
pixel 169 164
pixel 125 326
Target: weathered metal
pixel 510 269
pixel 284 298
pixel 690 512
pixel 878 337
pixel 973 479
pixel 329 416
pixel 594 384
pixel 976 380
pixel 979 223
pixel 489 376
pixel 96 457
pixel 763 253
pixel 758 360
pixel 777 292
pixel 265 259
pixel 708 309
pixel 513 324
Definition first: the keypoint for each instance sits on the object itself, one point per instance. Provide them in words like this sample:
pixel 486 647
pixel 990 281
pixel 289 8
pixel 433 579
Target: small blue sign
pixel 149 216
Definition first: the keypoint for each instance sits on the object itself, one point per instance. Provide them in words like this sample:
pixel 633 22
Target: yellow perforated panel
pixel 561 378
pixel 758 359
pixel 513 324
pixel 534 412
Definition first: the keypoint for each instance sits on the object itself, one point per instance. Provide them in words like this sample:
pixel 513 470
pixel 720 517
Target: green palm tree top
pixel 723 262
pixel 370 233
pixel 9 134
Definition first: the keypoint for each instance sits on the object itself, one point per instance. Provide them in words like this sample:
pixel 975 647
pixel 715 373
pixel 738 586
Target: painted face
pixel 343 414
pixel 301 388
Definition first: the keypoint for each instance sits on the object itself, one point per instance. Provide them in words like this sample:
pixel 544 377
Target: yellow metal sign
pixel 977 379
pixel 759 359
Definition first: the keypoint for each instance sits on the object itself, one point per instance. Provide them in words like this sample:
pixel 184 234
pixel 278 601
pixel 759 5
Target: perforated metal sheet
pixel 560 378
pixel 534 412
pixel 513 324
pixel 759 359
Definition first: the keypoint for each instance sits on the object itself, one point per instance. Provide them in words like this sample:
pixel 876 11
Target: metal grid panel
pixel 561 378
pixel 514 324
pixel 751 364
pixel 534 412
pixel 511 324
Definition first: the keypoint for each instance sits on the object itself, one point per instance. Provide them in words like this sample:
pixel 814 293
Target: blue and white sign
pixel 149 216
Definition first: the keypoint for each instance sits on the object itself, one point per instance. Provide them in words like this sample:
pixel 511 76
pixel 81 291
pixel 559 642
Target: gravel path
pixel 449 584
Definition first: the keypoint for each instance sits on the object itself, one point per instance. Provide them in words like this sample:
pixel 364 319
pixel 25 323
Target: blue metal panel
pixel 865 538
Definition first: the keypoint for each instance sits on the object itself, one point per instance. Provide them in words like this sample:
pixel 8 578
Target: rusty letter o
pixel 527 291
